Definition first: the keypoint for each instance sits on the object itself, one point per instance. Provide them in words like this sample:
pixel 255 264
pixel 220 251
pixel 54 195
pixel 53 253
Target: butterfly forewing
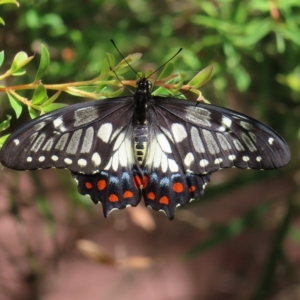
pixel 205 138
pixel 84 138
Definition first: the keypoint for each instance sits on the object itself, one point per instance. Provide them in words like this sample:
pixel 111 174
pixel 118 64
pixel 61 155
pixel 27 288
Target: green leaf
pixel 9 1
pixel 32 112
pixel 131 58
pixel 3 139
pixel 201 78
pixel 15 104
pixel 110 59
pixel 39 95
pixel 2 21
pixel 167 71
pixel 19 72
pixel 20 60
pixel 44 63
pixel 5 124
pixel 53 106
pixel 51 99
pixel 1 57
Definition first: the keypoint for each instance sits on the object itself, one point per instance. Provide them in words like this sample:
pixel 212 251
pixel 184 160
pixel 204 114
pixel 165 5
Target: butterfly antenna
pixel 166 62
pixel 112 41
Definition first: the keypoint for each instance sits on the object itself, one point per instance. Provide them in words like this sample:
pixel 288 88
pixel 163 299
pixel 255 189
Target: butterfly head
pixel 144 86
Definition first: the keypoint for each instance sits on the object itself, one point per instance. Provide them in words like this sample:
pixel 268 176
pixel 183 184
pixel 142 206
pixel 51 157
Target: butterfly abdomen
pixel 140 142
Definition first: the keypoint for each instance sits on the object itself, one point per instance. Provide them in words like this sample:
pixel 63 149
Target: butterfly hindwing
pixel 114 190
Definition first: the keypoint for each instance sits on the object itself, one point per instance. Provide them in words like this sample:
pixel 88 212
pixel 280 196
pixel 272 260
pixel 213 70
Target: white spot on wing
pixel 38 142
pixel 29 159
pixel 74 142
pixel 225 145
pixel 104 132
pixel 16 142
pixel 198 115
pixel 54 158
pixel 164 163
pixel 87 140
pixel 246 125
pixel 210 142
pixel 115 161
pixel 41 158
pixel 270 141
pixel 189 159
pixel 82 162
pixel 68 161
pixel 226 122
pixel 62 142
pixel 218 160
pixel 179 132
pixel 246 158
pixel 231 157
pixel 238 145
pixel 173 165
pixel 196 140
pixel 119 141
pixel 258 158
pixel 85 115
pixel 248 142
pixel 96 159
pixel 164 143
pixel 58 124
pixel 48 145
pixel 39 126
pixel 203 162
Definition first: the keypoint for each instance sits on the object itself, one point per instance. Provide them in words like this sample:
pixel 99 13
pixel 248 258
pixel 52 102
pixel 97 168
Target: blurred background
pixel 241 240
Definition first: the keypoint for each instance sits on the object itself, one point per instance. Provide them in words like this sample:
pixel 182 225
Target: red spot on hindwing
pixel 113 198
pixel 128 194
pixel 146 180
pixel 151 196
pixel 137 181
pixel 164 200
pixel 192 188
pixel 88 185
pixel 178 187
pixel 101 184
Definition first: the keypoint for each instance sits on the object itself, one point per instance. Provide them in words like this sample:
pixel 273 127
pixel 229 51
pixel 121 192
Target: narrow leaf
pixel 51 99
pixel 3 139
pixel 201 78
pixel 32 112
pixel 44 63
pixel 2 21
pixel 15 104
pixel 111 59
pixel 1 57
pixel 167 71
pixel 39 95
pixel 5 124
pixel 53 106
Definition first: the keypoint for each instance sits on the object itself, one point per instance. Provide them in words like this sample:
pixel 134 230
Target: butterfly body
pixel 161 149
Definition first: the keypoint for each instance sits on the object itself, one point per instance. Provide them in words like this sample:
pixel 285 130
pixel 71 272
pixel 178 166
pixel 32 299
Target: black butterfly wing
pixel 93 140
pixel 187 142
pixel 205 138
pixel 83 138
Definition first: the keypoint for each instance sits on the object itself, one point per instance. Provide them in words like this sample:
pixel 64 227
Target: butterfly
pixel 161 149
